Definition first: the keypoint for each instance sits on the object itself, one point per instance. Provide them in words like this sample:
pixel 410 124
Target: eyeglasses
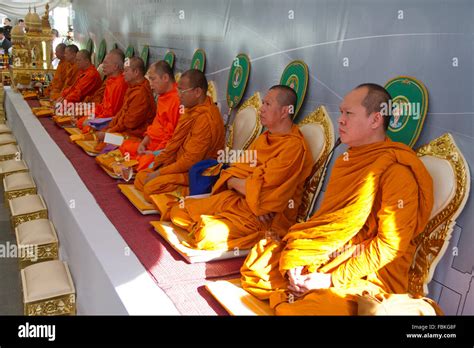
pixel 181 91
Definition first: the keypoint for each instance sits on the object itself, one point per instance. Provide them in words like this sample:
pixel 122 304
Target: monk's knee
pixel 140 180
pixel 180 217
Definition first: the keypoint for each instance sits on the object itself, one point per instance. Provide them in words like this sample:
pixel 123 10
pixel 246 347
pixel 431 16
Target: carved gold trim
pixel 19 193
pixel 9 142
pixel 60 305
pixel 256 102
pixel 7 157
pixel 45 252
pixel 212 91
pixel 19 219
pixel 433 241
pixel 2 175
pixel 315 181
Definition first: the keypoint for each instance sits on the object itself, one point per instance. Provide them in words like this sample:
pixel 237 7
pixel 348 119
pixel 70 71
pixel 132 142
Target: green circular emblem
pixel 408 109
pixel 295 76
pixel 238 78
pixel 293 82
pixel 145 55
pixel 130 52
pixel 169 58
pixel 199 60
pixel 90 46
pixel 400 113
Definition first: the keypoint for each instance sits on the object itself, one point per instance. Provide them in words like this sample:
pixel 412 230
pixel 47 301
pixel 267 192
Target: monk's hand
pixel 101 136
pixel 141 149
pixel 299 283
pixel 266 218
pixel 237 184
pixel 294 280
pixel 152 175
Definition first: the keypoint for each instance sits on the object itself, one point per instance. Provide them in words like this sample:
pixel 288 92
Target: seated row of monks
pixel 361 238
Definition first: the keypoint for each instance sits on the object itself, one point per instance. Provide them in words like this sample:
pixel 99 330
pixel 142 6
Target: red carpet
pixel 181 281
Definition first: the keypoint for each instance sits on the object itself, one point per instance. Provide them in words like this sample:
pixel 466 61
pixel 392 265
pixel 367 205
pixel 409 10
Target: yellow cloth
pixel 377 201
pixel 274 184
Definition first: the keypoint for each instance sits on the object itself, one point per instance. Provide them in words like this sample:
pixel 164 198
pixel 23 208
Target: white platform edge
pixel 109 280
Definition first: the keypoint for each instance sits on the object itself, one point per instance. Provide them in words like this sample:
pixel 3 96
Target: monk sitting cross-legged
pixel 378 199
pixel 161 130
pixel 198 135
pixel 138 106
pixel 68 75
pixel 252 197
pixel 109 102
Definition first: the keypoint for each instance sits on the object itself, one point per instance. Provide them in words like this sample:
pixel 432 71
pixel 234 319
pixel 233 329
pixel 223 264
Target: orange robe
pixel 59 80
pixel 71 76
pixel 87 82
pixel 110 103
pixel 136 113
pixel 274 184
pixel 378 199
pixel 98 95
pixel 159 132
pixel 198 135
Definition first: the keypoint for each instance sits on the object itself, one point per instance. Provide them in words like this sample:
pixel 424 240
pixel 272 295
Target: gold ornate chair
pixel 18 185
pixel 318 131
pixel 7 138
pixel 37 241
pixel 48 289
pixel 451 183
pixel 27 208
pixel 12 166
pixel 246 126
pixel 211 91
pixel 9 152
pixel 4 129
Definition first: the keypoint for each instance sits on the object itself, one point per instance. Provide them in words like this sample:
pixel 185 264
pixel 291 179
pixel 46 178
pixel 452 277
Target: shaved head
pixel 136 63
pixel 117 56
pixel 162 68
pixel 72 48
pixel 60 51
pixel 61 47
pixel 85 54
pixel 196 78
pixel 286 97
pixel 376 97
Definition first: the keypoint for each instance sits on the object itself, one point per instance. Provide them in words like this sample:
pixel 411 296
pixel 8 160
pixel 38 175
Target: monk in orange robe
pixel 138 108
pixel 361 239
pixel 261 192
pixel 55 87
pixel 114 89
pixel 72 70
pixel 198 135
pixel 65 74
pixel 161 130
pixel 87 82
